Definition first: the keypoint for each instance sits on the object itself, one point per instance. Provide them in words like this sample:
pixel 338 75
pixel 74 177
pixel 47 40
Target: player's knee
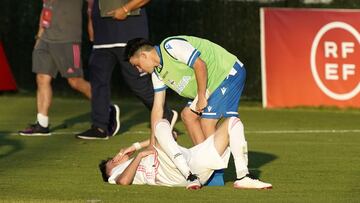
pixel 42 79
pixel 187 116
pixel 235 121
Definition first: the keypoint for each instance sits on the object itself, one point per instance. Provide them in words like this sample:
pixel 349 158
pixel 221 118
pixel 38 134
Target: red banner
pixel 7 81
pixel 310 57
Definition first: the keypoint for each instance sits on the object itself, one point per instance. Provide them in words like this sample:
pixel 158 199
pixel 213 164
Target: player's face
pixel 143 62
pixel 115 162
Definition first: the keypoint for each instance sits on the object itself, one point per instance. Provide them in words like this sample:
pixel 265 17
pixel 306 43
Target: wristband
pixel 137 145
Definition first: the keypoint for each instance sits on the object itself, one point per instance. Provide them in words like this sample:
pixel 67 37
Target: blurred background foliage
pixel 233 24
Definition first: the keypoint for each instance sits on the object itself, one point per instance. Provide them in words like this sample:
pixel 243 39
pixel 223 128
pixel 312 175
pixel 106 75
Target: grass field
pixel 308 154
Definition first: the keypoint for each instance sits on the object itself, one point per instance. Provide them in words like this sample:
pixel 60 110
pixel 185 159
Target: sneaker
pixel 173 119
pixel 94 133
pixel 114 120
pixel 35 130
pixel 249 183
pixel 193 182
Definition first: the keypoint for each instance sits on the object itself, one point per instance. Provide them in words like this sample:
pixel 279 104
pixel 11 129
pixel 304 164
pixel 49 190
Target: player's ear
pixel 143 54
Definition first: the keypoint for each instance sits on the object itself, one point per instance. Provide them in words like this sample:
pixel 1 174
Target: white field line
pixel 301 131
pixel 246 132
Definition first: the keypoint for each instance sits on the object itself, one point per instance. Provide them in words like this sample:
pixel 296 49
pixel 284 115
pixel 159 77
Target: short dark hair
pixel 134 45
pixel 102 167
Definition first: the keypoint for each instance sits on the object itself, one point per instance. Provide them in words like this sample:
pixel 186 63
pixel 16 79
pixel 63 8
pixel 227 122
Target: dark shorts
pixel 51 58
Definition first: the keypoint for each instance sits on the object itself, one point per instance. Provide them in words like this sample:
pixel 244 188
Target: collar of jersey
pixel 158 51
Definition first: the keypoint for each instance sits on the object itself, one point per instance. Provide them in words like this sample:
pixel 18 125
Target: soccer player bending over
pixel 169 164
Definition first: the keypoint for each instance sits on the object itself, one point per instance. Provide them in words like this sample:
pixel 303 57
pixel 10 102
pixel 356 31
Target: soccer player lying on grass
pixel 169 164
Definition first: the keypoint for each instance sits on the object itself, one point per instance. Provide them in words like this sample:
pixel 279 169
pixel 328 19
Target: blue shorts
pixel 224 101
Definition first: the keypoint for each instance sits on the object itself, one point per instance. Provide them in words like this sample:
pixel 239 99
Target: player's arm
pixel 127 177
pixel 40 30
pixel 135 4
pixel 157 112
pixel 90 27
pixel 201 75
pixel 122 12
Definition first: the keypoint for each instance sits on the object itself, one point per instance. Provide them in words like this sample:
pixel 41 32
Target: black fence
pixel 232 24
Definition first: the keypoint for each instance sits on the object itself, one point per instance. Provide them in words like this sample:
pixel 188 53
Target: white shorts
pixel 203 159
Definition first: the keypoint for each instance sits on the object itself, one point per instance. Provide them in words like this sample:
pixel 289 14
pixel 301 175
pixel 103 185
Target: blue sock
pixel 216 179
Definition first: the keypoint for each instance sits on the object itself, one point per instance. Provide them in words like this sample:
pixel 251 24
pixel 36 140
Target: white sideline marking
pixel 140 132
pixel 301 131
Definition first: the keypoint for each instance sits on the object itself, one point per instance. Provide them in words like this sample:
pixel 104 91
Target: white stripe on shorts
pixel 209 114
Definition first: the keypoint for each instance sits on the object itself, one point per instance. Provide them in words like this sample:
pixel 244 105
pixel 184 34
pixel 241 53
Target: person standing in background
pixel 110 35
pixel 57 49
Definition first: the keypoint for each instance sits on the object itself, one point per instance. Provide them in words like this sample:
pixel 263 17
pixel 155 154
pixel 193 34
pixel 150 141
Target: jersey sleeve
pixel 158 84
pixel 182 50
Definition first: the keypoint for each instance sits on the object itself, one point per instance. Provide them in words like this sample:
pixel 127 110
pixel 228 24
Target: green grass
pixel 303 165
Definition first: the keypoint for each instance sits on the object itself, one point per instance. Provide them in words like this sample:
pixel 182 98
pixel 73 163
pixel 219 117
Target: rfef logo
pixel 310 57
pixel 335 60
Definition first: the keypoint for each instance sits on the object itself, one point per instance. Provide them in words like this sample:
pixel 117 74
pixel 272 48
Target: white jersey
pixel 181 50
pixel 159 169
pixel 203 159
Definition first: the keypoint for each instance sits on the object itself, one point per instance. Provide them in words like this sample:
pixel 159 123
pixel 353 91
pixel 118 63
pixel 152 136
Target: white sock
pixel 238 146
pixel 43 120
pixel 171 148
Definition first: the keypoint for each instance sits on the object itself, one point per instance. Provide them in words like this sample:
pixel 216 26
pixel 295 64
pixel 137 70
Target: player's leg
pixel 165 140
pixel 238 146
pixel 208 126
pixel 192 125
pixel 101 65
pixel 170 147
pixel 43 95
pixel 45 69
pixel 81 85
pixel 231 133
pixel 67 57
pixel 209 118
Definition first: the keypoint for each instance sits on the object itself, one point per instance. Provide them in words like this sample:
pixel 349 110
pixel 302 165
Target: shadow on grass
pixel 256 161
pixel 9 146
pixel 82 118
pixel 130 117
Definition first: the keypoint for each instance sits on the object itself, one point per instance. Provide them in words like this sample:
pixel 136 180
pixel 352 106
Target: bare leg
pixel 208 126
pixel 221 137
pixel 80 85
pixel 44 93
pixel 193 126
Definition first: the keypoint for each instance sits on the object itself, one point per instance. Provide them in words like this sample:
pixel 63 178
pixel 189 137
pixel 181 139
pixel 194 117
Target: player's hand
pixel 37 41
pixel 201 104
pixel 128 151
pixel 118 14
pixel 147 152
